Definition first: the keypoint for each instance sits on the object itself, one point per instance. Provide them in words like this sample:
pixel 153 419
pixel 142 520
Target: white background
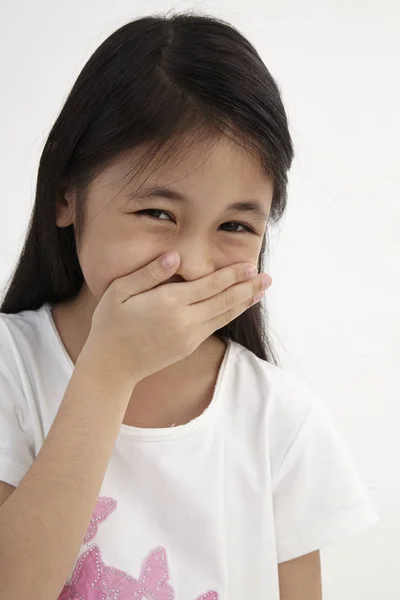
pixel 334 258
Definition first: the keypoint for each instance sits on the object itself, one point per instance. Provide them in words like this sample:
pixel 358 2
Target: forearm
pixel 43 522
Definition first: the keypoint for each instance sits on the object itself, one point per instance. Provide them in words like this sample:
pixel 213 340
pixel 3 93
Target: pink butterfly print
pixel 86 573
pixel 93 580
pixel 151 585
pixel 104 507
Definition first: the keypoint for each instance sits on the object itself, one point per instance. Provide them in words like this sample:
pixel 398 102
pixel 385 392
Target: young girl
pixel 151 447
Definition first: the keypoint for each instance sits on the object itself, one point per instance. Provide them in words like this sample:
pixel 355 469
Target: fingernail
pixel 266 281
pixel 250 272
pixel 169 260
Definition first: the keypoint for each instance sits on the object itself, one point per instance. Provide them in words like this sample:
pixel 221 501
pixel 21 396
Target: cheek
pixel 104 257
pixel 244 252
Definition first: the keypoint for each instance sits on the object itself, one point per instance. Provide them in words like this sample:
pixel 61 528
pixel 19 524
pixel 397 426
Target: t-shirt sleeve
pixel 318 494
pixel 16 439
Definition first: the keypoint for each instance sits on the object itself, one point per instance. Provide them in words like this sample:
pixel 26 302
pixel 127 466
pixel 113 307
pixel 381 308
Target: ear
pixel 65 208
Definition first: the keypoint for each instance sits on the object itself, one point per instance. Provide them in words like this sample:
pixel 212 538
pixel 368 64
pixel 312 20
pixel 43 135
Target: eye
pixel 152 210
pixel 247 229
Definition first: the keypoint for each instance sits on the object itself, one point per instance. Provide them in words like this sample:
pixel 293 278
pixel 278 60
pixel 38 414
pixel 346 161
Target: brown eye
pixel 152 210
pixel 235 223
pixel 146 212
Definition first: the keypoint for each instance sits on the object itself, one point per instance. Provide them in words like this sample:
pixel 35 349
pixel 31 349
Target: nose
pixel 197 259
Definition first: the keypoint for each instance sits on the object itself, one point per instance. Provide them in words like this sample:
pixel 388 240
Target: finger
pixel 224 318
pixel 147 277
pixel 229 299
pixel 212 284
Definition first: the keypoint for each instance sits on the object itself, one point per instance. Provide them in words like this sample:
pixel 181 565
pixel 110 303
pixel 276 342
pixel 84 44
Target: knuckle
pixel 183 321
pixel 150 272
pixel 257 286
pixel 214 282
pixel 229 299
pixel 229 316
pixel 169 298
pixel 115 285
pixel 117 288
pixel 239 273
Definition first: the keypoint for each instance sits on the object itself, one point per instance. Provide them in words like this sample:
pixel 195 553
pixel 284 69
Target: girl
pixel 151 445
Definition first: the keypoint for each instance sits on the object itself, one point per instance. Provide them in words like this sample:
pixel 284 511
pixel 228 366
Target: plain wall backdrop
pixel 334 259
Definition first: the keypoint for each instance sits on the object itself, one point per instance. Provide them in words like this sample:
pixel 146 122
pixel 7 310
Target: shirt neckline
pixel 152 433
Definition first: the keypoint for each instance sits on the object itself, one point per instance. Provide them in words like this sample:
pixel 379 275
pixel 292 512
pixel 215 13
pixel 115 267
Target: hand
pixel 139 329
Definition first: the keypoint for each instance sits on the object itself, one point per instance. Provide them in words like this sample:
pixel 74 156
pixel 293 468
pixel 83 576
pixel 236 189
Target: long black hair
pixel 150 84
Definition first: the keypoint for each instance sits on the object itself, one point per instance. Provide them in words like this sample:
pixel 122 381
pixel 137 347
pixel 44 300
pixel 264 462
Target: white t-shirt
pixel 204 510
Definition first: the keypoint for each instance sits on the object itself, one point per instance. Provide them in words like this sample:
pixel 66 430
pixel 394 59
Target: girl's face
pixel 119 237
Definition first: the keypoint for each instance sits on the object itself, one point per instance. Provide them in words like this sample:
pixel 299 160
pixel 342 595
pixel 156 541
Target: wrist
pixel 98 366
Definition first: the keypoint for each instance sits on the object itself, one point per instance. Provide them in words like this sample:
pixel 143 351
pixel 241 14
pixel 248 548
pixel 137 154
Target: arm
pixel 44 520
pixel 300 578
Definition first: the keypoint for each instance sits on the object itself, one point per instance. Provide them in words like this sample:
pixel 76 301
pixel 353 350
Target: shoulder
pixel 21 337
pixel 12 323
pixel 276 399
pixel 25 321
pixel 285 397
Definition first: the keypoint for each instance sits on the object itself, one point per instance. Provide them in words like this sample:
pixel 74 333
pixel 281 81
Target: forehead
pixel 211 171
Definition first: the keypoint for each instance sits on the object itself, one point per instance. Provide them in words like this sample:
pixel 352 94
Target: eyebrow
pixel 253 207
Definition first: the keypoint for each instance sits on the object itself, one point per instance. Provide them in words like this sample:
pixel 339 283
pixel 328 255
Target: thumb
pixel 169 260
pixel 149 276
